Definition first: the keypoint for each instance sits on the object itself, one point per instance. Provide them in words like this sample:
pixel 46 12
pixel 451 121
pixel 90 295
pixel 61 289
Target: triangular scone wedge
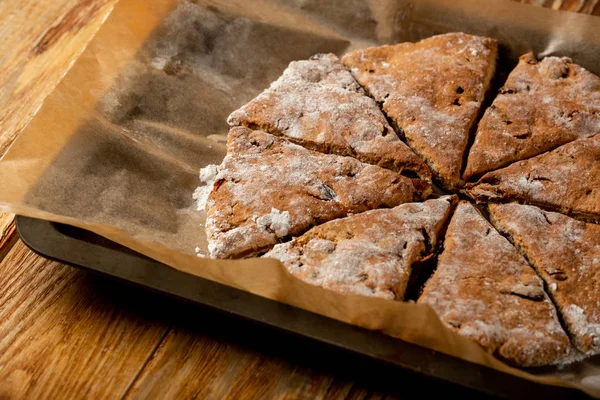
pixel 371 253
pixel 318 104
pixel 542 105
pixel 566 254
pixel 485 290
pixel 432 91
pixel 566 179
pixel 269 189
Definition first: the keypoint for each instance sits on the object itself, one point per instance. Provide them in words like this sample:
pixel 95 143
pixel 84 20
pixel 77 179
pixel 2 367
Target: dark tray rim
pixel 84 249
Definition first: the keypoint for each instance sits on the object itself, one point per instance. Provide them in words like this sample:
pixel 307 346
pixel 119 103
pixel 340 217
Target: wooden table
pixel 67 334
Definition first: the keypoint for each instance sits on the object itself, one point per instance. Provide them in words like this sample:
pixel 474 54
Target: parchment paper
pixel 117 147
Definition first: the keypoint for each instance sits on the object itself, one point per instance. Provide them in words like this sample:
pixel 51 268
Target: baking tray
pixel 362 351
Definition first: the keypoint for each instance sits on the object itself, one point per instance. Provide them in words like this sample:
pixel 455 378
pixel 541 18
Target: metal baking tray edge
pixel 87 250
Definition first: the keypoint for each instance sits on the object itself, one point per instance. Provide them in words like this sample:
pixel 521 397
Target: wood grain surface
pixel 38 42
pixel 61 336
pixel 226 371
pixel 8 235
pixel 65 333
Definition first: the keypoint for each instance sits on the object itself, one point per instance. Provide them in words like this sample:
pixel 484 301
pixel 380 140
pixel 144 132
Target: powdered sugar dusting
pixel 541 106
pixel 565 179
pixel 582 326
pixel 436 106
pixel 318 103
pixel 370 253
pixel 208 175
pixel 270 188
pixel 276 221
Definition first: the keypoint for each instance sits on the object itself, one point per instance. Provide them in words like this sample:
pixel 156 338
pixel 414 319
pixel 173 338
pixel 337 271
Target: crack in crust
pixel 435 108
pixel 371 253
pixel 485 290
pixel 542 105
pixel 566 255
pixel 269 189
pixel 317 103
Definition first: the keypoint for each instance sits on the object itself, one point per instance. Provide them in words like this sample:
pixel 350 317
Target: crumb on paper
pixel 199 252
pixel 208 175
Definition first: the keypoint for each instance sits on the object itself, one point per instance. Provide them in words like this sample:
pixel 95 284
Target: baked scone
pixel 542 105
pixel 432 92
pixel 566 179
pixel 485 290
pixel 566 254
pixel 371 253
pixel 269 189
pixel 318 104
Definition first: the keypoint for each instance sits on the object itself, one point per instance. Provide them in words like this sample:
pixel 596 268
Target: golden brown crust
pixel 485 290
pixel 269 189
pixel 371 253
pixel 566 179
pixel 318 104
pixel 566 254
pixel 432 91
pixel 542 105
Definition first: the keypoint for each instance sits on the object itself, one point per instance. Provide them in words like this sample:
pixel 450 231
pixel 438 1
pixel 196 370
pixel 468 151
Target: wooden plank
pixel 8 234
pixel 60 335
pixel 210 355
pixel 64 335
pixel 191 364
pixel 349 391
pixel 39 40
